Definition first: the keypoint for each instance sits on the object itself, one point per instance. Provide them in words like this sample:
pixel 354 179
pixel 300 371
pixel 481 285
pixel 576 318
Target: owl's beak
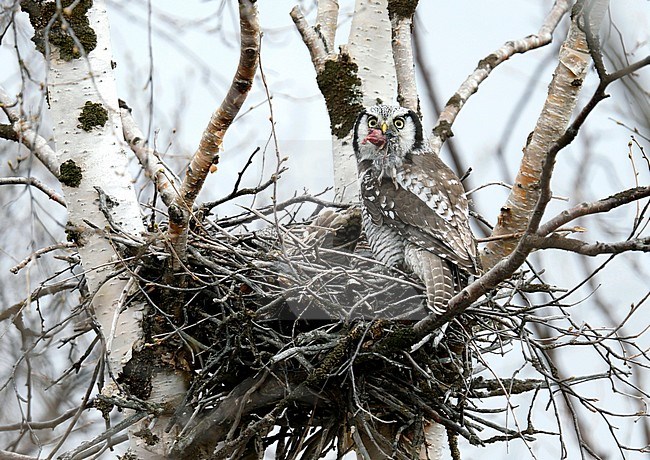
pixel 384 128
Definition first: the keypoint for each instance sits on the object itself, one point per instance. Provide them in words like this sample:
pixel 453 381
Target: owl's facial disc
pixel 376 137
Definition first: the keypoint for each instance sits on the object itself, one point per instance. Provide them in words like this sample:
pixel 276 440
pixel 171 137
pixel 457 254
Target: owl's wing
pixel 427 206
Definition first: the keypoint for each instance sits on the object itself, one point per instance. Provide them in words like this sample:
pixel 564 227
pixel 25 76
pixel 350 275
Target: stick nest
pixel 294 334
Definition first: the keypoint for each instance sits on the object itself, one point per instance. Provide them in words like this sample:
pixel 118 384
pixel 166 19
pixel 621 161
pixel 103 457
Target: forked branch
pixel 442 129
pixel 574 61
pixel 208 152
pixel 34 182
pixel 530 238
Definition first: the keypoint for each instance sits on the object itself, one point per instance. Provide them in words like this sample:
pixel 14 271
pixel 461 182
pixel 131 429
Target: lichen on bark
pixel 401 8
pixel 341 88
pixel 70 174
pixel 53 25
pixel 92 115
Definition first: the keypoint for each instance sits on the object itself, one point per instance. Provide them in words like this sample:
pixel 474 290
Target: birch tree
pixel 168 329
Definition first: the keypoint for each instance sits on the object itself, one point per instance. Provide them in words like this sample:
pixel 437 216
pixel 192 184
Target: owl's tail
pixel 436 275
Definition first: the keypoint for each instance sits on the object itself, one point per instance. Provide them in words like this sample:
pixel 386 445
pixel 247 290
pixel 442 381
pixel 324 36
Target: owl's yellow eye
pixel 372 122
pixel 399 122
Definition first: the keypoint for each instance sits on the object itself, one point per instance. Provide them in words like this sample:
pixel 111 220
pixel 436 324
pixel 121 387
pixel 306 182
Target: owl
pixel 415 213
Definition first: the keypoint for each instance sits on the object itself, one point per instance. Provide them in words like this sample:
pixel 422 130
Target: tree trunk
pixel 99 194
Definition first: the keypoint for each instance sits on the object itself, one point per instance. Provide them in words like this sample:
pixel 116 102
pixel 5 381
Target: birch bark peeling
pixel 207 153
pixel 574 61
pixel 91 155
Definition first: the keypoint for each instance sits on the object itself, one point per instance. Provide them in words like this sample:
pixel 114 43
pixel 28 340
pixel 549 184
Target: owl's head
pixel 386 135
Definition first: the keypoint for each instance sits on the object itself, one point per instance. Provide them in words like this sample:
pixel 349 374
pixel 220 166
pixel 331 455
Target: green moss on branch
pixel 53 26
pixel 341 87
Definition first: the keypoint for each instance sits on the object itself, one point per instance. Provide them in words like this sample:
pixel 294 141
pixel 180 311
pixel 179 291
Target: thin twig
pixel 37 254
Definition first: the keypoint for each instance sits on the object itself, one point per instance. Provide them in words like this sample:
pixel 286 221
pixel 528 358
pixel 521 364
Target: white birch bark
pixel 100 154
pixel 28 135
pixel 326 20
pixel 435 439
pixel 407 92
pixel 369 45
pixel 168 390
pixel 346 187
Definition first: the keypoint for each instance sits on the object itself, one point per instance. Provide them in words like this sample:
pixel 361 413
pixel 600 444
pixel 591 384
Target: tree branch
pixel 34 182
pixel 27 136
pixel 544 184
pixel 442 129
pixel 326 21
pixel 37 254
pixel 315 43
pixel 588 249
pixel 208 151
pixel 6 455
pixel 552 124
pixel 583 209
pixel 506 267
pixel 154 168
pixel 401 22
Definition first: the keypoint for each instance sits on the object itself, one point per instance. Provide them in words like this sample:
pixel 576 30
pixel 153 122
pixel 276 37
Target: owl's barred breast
pixel 386 242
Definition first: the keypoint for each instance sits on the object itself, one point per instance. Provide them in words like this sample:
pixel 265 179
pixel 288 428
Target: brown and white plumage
pixel 415 214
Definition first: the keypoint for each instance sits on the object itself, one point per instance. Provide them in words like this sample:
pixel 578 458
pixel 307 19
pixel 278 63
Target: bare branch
pixel 552 123
pixel 544 184
pixel 34 182
pixel 39 253
pixel 237 192
pixel 583 209
pixel 6 455
pixel 154 167
pixel 236 220
pixel 46 424
pixel 442 129
pixel 506 267
pixel 32 140
pixel 35 295
pixel 208 151
pixel 589 249
pixel 314 42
